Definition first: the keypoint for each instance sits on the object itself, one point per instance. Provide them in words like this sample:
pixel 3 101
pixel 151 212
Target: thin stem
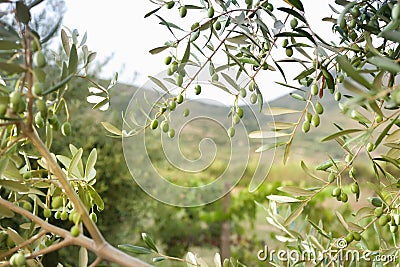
pixel 22 245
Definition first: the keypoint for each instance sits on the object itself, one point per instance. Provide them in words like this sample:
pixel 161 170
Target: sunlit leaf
pixel 111 128
pixel 283 199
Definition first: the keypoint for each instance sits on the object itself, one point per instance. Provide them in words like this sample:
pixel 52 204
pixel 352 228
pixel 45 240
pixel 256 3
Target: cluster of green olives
pixel 385 216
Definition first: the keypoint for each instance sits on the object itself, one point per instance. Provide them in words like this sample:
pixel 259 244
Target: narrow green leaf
pixel 384 63
pixel 5 212
pixel 295 214
pixel 295 3
pixel 391 35
pixel 186 55
pixel 152 12
pixel 236 61
pixel 283 199
pixel 72 168
pixel 320 230
pixel 342 220
pixel 158 83
pixel 134 249
pixel 14 236
pixel 158 50
pixel 340 133
pixel 292 12
pixel 158 259
pixel 65 42
pixel 73 60
pixel 287 152
pixel 230 81
pixel 275 111
pixel 111 128
pixel 328 78
pixel 149 242
pixel 11 68
pixel 384 132
pixel 9 45
pixel 58 85
pixel 297 96
pixel 269 146
pixel 266 134
pixel 96 198
pixel 15 186
pixel 91 161
pixel 22 12
pixel 296 191
pixel 353 73
pixel 304 74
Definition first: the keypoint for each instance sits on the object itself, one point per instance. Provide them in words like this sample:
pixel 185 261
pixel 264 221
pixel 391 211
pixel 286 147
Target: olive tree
pixel 47 201
pixel 359 71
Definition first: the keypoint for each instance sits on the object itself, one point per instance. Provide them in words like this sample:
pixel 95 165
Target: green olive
pixel 370 147
pixel 383 220
pixel 338 96
pixel 355 188
pixel 289 51
pixel 348 158
pixel 53 119
pixel 315 121
pixel 37 89
pixel 378 119
pixel 57 215
pixel 15 98
pixel 217 25
pixel 314 89
pixel 179 80
pixel 183 11
pixel 39 59
pixel 355 11
pixel 253 98
pixel 270 7
pixel 75 231
pixel 64 215
pixel 356 236
pixel 93 217
pixel 336 191
pixel 164 126
pixel 170 4
pixel 349 238
pixel 319 108
pixel 231 132
pixel 210 12
pixel 168 60
pixel 235 119
pixel 293 23
pixel 27 175
pixel 378 211
pixel 179 99
pixel 197 89
pixel 57 202
pixel 154 124
pixel 27 205
pixel 18 259
pixel 243 92
pixel 172 105
pixel 396 96
pixel 66 128
pixel 344 197
pixel 195 26
pixel 186 112
pixel 285 43
pixel 305 127
pixel 331 177
pixel 47 213
pixel 308 117
pixel 239 112
pixel 171 133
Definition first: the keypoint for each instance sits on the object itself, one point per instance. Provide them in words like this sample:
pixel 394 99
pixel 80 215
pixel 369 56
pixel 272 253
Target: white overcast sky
pixel 119 28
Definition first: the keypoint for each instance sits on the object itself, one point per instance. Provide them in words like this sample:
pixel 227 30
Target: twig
pixel 23 244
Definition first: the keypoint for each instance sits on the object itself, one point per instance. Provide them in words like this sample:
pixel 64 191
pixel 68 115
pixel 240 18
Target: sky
pixel 119 29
